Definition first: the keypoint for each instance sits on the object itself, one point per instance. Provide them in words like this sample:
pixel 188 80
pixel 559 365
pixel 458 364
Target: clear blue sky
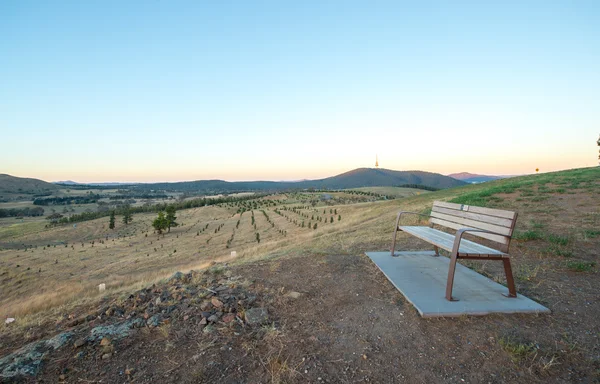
pixel 243 90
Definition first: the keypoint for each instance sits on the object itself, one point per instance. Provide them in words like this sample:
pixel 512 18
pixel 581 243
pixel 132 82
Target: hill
pixel 21 185
pixel 378 177
pixel 473 178
pixel 302 305
pixel 361 177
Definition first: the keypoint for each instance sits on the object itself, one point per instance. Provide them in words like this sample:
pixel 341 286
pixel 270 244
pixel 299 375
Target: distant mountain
pixel 473 178
pixel 66 182
pixel 361 177
pixel 21 185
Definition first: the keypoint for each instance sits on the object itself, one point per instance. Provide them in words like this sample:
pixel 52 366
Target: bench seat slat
pixel 507 223
pixel 471 208
pixel 497 238
pixel 446 241
pixel 469 223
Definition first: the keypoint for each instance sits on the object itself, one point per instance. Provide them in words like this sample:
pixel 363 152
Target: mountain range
pixel 361 177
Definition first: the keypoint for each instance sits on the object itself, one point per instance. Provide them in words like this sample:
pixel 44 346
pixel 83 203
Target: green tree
pixel 127 216
pixel 171 217
pixel 331 219
pixel 111 222
pixel 257 238
pixel 315 226
pixel 339 217
pixel 160 223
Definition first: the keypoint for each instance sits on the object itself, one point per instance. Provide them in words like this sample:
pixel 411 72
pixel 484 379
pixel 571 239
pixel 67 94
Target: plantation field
pixel 393 191
pixel 42 267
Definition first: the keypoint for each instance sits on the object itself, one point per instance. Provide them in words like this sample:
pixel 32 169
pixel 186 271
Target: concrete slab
pixel 421 278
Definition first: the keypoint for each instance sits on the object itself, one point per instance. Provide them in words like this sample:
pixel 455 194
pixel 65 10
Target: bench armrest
pixel 407 213
pixel 461 232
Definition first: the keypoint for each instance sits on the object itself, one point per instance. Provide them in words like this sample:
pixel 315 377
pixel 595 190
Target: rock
pixel 176 276
pixel 27 360
pixel 228 318
pixel 213 319
pixel 105 341
pixel 62 377
pixel 79 343
pixel 257 316
pixel 203 321
pixel 106 356
pixel 209 329
pixel 206 305
pixel 216 302
pixel 9 320
pixel 158 301
pixel 154 321
pixel 293 295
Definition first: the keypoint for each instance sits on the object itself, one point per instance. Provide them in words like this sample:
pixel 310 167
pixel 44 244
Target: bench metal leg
pixel 395 233
pixel 450 283
pixel 394 241
pixel 436 250
pixel 510 281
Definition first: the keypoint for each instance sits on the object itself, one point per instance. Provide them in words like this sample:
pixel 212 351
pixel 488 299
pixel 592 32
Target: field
pixel 349 323
pixel 41 267
pixel 393 191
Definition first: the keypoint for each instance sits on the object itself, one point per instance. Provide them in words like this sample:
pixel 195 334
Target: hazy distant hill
pixel 361 177
pixel 473 178
pixel 378 177
pixel 17 185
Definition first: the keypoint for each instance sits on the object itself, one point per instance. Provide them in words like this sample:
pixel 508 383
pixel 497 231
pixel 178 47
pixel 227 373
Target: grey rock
pixel 293 295
pixel 213 318
pixel 27 360
pixel 257 316
pixel 154 321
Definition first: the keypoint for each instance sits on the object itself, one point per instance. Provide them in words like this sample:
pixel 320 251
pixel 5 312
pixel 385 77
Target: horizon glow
pixel 149 92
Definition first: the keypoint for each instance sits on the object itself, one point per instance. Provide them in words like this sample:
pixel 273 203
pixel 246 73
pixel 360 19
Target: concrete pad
pixel 421 278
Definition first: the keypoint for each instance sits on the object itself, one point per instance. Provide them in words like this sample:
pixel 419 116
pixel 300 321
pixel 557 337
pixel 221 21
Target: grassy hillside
pixel 346 304
pixel 20 185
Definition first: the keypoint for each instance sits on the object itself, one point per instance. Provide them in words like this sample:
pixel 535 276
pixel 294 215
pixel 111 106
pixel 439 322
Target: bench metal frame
pixel 509 219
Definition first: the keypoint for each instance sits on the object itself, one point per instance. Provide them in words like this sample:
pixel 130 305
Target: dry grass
pixel 71 268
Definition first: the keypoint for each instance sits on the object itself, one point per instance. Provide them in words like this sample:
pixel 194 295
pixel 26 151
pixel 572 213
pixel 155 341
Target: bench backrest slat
pixel 457 216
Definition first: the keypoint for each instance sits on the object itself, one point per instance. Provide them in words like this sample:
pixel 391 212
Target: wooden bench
pixel 492 224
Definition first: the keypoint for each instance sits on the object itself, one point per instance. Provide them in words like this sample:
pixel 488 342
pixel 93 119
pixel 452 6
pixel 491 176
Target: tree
pixel 127 216
pixel 160 223
pixel 257 237
pixel 171 217
pixel 111 223
pixel 315 226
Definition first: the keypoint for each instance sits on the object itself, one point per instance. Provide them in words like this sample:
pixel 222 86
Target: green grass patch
pixel 591 233
pixel 581 266
pixel 537 224
pixel 517 350
pixel 528 235
pixel 557 239
pixel 558 251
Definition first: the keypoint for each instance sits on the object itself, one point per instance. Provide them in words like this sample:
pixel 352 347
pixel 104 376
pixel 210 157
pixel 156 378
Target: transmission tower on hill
pixel 377 160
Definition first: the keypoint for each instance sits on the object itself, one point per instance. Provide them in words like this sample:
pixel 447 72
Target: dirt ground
pixel 349 324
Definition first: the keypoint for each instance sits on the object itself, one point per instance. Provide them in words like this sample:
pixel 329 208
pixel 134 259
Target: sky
pixel 146 91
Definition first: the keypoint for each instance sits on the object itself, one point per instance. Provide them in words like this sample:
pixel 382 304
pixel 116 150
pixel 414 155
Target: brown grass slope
pixel 350 324
pixel 22 185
